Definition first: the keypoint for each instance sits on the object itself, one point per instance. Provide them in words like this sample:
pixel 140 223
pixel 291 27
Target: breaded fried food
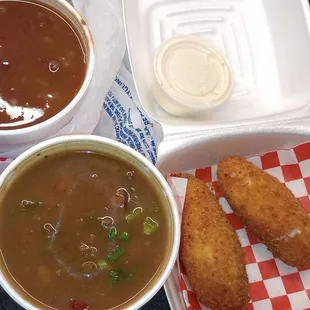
pixel 268 209
pixel 210 250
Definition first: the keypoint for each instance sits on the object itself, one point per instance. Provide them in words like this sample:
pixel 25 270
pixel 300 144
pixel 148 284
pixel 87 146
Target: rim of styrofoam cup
pixel 172 205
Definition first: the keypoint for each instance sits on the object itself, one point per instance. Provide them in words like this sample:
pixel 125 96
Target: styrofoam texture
pixel 206 148
pixel 266 42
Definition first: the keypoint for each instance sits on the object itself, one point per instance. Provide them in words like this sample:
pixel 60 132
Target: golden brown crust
pixel 268 208
pixel 211 252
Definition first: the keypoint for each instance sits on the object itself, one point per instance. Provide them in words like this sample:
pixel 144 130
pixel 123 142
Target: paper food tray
pixel 272 284
pixel 266 42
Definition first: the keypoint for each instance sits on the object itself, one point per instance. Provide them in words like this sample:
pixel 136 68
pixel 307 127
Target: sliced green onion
pixel 112 233
pixel 129 217
pixel 149 226
pixel 134 214
pixel 116 253
pixel 124 236
pixel 103 265
pixel 116 275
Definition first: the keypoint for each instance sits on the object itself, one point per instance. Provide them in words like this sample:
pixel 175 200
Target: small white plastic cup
pixel 190 76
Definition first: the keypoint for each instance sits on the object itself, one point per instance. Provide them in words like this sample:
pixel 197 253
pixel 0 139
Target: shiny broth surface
pixel 80 230
pixel 42 65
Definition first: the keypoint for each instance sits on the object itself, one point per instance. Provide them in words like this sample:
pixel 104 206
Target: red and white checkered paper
pixel 272 284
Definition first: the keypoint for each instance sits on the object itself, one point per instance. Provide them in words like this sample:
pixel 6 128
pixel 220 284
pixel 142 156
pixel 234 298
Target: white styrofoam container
pixel 267 43
pixel 208 151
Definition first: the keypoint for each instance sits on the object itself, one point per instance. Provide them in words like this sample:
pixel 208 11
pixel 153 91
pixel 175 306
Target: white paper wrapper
pixel 123 119
pixel 104 19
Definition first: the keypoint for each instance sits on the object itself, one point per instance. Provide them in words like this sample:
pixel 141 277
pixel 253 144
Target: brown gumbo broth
pixel 82 230
pixel 42 65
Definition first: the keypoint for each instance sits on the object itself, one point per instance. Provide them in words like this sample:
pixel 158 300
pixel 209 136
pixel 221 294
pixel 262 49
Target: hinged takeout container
pixel 266 42
pixel 268 47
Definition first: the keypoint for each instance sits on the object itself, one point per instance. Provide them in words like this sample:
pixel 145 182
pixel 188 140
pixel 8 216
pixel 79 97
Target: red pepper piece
pixel 77 305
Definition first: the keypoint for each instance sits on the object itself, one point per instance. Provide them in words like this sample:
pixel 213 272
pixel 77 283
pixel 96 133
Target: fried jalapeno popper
pixel 268 209
pixel 210 250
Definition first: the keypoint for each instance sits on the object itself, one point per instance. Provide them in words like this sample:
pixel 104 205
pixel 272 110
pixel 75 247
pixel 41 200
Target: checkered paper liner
pixel 272 284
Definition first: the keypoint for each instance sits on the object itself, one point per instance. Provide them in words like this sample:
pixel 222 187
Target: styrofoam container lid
pixel 190 75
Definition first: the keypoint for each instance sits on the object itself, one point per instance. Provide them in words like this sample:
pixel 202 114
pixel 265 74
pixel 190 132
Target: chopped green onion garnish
pixel 124 236
pixel 112 233
pixel 116 275
pixel 103 265
pixel 135 213
pixel 149 226
pixel 116 253
pixel 129 217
